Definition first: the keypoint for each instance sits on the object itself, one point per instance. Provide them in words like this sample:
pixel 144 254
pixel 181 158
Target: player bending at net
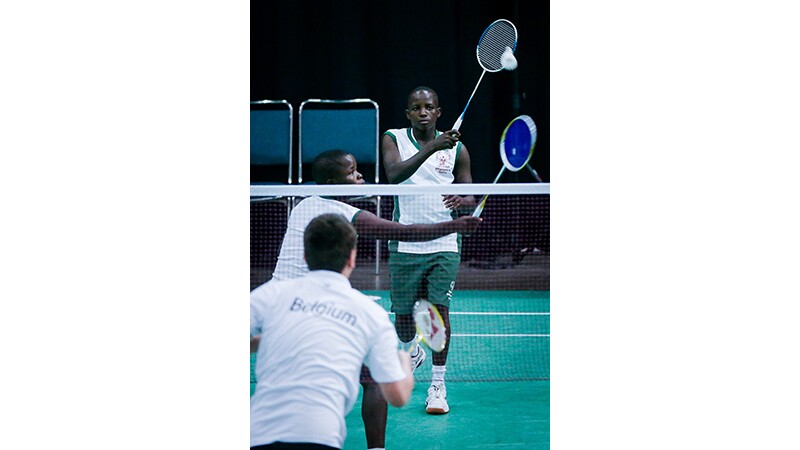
pixel 421 155
pixel 340 167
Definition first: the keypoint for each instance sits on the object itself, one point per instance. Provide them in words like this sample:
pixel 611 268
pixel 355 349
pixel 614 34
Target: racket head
pixel 430 325
pixel 517 143
pixel 493 42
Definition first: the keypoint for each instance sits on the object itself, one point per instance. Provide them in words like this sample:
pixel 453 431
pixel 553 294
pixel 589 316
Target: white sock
pixel 437 374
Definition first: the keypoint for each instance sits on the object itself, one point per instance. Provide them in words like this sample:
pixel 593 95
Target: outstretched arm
pixel 371 226
pixel 398 170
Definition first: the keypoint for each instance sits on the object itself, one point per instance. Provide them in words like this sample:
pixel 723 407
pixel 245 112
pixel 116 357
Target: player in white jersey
pixel 339 167
pixel 316 332
pixel 421 155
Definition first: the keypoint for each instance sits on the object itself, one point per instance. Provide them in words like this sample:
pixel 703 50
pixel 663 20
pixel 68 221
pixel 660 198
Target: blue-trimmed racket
pixel 516 148
pixel 498 36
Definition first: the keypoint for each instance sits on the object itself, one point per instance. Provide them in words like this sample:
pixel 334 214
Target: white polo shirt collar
pixel 329 278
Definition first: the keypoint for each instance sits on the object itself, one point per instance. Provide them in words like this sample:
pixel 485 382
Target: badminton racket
pixel 491 47
pixel 430 326
pixel 516 148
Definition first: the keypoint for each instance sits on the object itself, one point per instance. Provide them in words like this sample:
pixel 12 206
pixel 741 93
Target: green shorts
pixel 430 276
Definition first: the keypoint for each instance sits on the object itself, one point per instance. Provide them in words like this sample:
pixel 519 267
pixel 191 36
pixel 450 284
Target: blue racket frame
pixel 516 149
pixel 517 143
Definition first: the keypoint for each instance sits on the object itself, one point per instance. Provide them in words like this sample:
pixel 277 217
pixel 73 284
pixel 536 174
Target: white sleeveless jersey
pixel 411 209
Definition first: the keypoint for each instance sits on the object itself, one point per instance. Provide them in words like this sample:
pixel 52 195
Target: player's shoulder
pixel 354 294
pixel 274 287
pixel 395 131
pixel 316 205
pixel 315 200
pixel 307 202
pixel 396 134
pixel 359 297
pixel 370 305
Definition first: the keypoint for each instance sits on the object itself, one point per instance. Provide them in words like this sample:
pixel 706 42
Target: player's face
pixel 423 110
pixel 348 171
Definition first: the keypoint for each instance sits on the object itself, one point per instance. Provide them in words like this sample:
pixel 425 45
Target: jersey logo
pixel 325 310
pixel 443 162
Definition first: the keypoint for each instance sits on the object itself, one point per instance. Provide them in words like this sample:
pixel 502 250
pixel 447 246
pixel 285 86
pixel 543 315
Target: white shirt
pixel 291 261
pixel 316 332
pixel 410 209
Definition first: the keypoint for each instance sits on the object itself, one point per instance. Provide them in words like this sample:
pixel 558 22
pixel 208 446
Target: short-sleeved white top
pixel 316 332
pixel 291 262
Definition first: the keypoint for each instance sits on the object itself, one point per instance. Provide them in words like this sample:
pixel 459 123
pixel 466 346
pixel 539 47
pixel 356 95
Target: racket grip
pixel 479 209
pixel 457 125
pixel 535 174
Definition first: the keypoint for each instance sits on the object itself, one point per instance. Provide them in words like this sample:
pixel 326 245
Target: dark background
pixel 382 50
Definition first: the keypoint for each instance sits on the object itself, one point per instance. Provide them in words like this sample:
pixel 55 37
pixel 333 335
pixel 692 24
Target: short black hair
pixel 327 165
pixel 328 241
pixel 422 88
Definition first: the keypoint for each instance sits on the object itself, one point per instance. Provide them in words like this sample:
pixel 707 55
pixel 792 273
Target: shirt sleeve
pixel 349 211
pixel 259 302
pixel 382 359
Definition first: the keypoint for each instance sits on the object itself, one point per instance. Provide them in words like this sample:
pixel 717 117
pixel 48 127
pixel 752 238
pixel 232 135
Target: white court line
pixel 501 335
pixel 500 313
pixel 463 313
pixel 396 189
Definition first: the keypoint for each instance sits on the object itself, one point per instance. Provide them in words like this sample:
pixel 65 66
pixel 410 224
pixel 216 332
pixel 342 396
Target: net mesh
pixel 500 304
pixel 493 43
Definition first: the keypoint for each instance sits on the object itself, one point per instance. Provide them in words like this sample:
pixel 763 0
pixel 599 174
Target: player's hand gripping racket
pixel 497 40
pixel 430 326
pixel 516 149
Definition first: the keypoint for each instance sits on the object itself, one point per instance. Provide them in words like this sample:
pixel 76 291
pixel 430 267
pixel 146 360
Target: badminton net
pixel 500 305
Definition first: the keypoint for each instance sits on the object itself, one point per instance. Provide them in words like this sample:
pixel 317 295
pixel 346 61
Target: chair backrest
pixel 349 125
pixel 271 138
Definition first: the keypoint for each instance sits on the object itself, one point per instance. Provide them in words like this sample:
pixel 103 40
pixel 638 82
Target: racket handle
pixel 457 125
pixel 534 173
pixel 479 209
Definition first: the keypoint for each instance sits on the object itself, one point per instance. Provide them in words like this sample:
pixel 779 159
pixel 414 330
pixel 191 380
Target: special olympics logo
pixel 443 162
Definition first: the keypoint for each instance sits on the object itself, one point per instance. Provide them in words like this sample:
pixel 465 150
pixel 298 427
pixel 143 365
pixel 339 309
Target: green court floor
pixel 493 415
pixel 498 379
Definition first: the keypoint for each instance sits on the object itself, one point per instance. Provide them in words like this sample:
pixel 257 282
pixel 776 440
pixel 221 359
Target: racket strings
pixel 493 43
pixel 430 326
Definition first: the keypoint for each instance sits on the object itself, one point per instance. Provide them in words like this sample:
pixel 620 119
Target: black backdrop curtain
pixel 382 50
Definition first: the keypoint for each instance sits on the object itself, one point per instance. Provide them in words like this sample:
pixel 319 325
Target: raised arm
pixel 369 225
pixel 397 170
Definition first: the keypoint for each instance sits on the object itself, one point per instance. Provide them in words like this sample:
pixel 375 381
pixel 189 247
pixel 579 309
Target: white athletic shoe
pixel 417 358
pixel 436 403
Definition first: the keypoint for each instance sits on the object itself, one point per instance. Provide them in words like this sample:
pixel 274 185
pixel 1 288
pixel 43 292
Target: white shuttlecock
pixel 508 60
